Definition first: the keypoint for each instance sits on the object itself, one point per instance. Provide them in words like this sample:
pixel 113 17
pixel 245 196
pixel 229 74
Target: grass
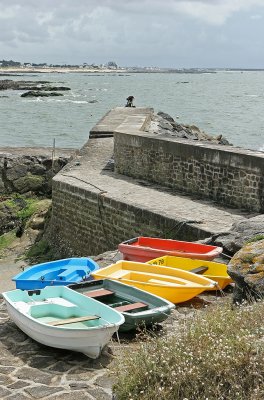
pixel 216 355
pixel 6 240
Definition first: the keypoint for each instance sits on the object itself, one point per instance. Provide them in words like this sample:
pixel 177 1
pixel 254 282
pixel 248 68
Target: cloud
pixel 214 12
pixel 130 32
pixel 256 16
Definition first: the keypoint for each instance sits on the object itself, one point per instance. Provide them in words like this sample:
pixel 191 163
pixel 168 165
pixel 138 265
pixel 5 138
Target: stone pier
pixel 95 208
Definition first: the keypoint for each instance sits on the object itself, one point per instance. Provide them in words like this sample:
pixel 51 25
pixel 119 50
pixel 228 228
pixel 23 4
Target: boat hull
pixel 84 339
pixel 158 309
pixel 60 273
pixel 172 284
pixel 143 249
pixel 213 270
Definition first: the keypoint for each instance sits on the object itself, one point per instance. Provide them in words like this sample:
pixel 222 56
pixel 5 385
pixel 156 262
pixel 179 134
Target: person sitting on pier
pixel 130 101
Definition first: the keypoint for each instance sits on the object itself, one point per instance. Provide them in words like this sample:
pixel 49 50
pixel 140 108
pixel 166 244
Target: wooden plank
pixel 199 270
pixel 130 307
pixel 98 293
pixel 73 320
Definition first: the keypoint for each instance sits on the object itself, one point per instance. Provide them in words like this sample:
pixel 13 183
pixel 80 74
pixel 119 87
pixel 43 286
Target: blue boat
pixel 59 272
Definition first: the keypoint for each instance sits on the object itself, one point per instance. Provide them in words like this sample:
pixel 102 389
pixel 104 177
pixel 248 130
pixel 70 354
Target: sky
pixel 150 33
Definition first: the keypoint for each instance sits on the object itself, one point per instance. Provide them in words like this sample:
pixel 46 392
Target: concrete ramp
pixel 137 118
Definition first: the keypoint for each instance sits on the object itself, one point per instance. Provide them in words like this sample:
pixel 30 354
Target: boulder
pixel 32 93
pixel 29 183
pixel 165 116
pixel 246 268
pixel 164 125
pixel 240 233
pixel 7 84
pixel 23 173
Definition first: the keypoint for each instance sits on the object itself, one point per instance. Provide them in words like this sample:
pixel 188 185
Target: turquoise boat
pixel 59 272
pixel 59 317
pixel 139 308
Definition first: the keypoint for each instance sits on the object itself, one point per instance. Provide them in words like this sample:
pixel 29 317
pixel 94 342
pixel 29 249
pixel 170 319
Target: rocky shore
pixel 162 124
pixel 33 88
pixel 24 170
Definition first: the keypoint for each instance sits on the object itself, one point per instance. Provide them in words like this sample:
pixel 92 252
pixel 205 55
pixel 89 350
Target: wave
pixel 37 99
pixel 68 101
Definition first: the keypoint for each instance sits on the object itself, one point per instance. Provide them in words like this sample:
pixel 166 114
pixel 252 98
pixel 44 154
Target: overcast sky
pixel 164 33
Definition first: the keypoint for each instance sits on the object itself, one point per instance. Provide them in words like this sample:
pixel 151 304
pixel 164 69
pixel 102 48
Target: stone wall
pixel 87 222
pixel 228 175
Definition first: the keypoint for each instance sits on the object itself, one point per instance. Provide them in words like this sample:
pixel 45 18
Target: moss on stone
pixel 40 252
pixel 29 183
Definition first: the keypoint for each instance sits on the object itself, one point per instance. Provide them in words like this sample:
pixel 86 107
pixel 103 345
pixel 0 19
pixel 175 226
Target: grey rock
pixel 38 93
pixel 18 385
pixel 4 392
pixel 38 376
pixel 165 116
pixel 240 233
pixel 164 124
pixel 17 396
pixel 246 268
pixel 23 173
pixel 7 84
pixel 41 391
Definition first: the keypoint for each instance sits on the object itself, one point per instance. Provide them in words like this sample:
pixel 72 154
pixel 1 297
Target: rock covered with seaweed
pixel 246 268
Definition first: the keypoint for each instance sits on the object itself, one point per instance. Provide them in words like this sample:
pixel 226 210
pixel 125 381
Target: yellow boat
pixel 172 284
pixel 209 269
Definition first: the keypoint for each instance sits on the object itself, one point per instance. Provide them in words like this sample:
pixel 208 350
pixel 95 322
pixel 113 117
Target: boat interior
pixel 116 301
pixel 154 278
pixel 63 274
pixel 58 311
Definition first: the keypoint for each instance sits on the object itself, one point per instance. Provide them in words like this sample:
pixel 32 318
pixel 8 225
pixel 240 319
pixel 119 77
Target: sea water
pixel 227 103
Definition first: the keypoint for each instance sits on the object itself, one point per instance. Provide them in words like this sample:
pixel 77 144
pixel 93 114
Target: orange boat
pixel 143 249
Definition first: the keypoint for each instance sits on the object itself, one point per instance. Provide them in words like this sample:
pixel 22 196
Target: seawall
pixel 95 207
pixel 229 175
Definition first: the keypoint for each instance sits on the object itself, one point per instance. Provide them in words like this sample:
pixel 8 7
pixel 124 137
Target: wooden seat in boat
pixel 131 307
pixel 199 270
pixel 98 293
pixel 73 320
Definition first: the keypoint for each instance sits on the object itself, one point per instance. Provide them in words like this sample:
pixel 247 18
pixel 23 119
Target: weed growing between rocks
pixel 40 252
pixel 216 355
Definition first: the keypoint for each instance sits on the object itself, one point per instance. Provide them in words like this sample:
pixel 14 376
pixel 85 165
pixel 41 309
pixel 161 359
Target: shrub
pixel 216 355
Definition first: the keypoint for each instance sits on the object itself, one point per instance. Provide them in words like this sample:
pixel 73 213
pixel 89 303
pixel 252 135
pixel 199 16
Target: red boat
pixel 143 249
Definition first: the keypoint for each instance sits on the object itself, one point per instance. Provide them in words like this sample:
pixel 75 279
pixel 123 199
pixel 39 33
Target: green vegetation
pixel 6 240
pixel 20 206
pixel 216 355
pixel 40 252
pixel 29 210
pixel 255 238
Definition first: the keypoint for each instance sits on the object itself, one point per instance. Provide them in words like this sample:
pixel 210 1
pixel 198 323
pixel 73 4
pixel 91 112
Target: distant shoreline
pixel 128 70
pixel 48 70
